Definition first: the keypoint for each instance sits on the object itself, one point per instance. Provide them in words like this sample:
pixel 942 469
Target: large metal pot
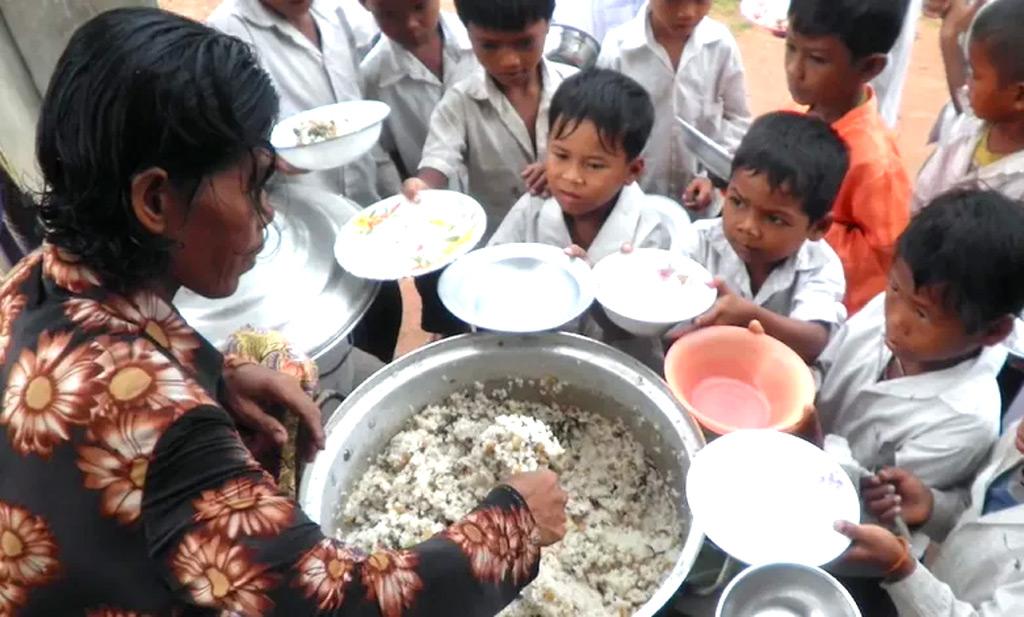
pixel 596 377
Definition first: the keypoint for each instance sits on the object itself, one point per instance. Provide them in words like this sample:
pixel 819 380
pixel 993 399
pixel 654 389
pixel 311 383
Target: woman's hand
pixel 897 492
pixel 878 550
pixel 250 387
pixel 546 500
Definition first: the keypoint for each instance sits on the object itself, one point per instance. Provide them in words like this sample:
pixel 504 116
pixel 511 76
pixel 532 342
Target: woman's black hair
pixel 135 89
pixel 1000 27
pixel 969 244
pixel 618 106
pixel 799 154
pixel 865 27
pixel 504 15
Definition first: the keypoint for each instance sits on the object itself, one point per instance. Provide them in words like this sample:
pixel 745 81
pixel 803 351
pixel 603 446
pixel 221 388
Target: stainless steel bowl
pixel 597 378
pixel 571 46
pixel 786 590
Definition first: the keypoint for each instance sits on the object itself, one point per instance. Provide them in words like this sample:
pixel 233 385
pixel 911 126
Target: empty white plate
pixel 765 497
pixel 517 288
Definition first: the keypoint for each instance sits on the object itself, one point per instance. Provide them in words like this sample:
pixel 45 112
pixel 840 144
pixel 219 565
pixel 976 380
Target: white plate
pixel 765 497
pixel 358 126
pixel 395 238
pixel 772 15
pixel 517 288
pixel 645 286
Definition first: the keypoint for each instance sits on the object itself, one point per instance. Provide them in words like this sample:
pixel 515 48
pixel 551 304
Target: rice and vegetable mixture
pixel 624 531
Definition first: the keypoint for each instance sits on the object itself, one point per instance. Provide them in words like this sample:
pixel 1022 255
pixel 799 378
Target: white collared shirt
pixel 475 130
pixel 809 286
pixel 942 424
pixel 397 77
pixel 708 91
pixel 978 570
pixel 599 17
pixel 306 77
pixel 535 219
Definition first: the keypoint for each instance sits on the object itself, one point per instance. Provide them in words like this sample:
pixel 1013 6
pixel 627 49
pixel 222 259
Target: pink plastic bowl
pixel 729 378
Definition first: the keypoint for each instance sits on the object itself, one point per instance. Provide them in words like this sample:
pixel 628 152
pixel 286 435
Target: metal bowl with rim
pixel 571 46
pixel 786 590
pixel 359 126
pixel 595 377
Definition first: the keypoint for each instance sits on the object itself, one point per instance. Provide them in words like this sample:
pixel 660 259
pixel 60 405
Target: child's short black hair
pixel 970 244
pixel 504 15
pixel 799 154
pixel 618 106
pixel 1000 27
pixel 865 26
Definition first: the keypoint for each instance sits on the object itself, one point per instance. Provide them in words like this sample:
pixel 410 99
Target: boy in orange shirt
pixel 833 49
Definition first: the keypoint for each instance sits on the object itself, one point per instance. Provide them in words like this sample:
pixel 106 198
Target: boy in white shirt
pixel 491 127
pixel 767 252
pixel 691 66
pixel 309 51
pixel 600 122
pixel 422 53
pixel 907 373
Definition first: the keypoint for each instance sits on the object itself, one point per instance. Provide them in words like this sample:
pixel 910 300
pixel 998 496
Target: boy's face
pixel 992 98
pixel 766 226
pixel 290 9
pixel 678 17
pixel 583 175
pixel 919 327
pixel 410 23
pixel 510 58
pixel 821 71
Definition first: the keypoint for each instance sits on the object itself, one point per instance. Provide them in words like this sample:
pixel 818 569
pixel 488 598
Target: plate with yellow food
pixel 396 238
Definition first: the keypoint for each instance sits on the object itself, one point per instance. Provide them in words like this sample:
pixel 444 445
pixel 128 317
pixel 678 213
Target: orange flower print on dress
pixel 142 313
pixel 118 463
pixel 137 376
pixel 28 552
pixel 391 580
pixel 518 526
pixel 48 390
pixel 244 507
pixel 481 537
pixel 67 271
pixel 20 272
pixel 12 595
pixel 11 306
pixel 325 572
pixel 219 574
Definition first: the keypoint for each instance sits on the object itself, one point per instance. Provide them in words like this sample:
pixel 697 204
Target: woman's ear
pixel 151 199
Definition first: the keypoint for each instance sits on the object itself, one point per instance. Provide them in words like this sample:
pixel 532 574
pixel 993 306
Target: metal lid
pixel 296 286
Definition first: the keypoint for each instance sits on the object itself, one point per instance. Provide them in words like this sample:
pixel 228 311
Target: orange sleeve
pixel 872 210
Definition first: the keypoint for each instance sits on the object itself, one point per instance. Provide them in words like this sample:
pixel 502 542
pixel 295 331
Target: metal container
pixel 296 286
pixel 786 590
pixel 596 377
pixel 571 46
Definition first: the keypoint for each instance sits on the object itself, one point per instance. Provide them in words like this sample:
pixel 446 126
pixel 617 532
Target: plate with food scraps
pixel 772 15
pixel 652 292
pixel 396 238
pixel 329 136
pixel 764 496
pixel 519 288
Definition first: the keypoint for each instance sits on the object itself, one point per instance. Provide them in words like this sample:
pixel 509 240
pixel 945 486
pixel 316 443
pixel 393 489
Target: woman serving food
pixel 126 489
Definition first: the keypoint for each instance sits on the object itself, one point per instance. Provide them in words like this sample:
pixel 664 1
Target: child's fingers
pixel 879 492
pixel 755 327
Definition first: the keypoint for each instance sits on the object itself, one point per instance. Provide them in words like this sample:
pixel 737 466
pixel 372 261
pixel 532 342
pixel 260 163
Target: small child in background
pixel 422 53
pixel 833 49
pixel 492 127
pixel 906 375
pixel 691 66
pixel 767 252
pixel 984 147
pixel 600 122
pixel 494 124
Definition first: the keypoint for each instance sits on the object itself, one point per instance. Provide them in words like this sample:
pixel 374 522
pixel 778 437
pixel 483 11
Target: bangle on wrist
pixel 905 558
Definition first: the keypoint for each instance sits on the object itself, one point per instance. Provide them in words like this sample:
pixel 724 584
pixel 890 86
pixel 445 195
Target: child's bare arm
pixel 807 338
pixel 955 21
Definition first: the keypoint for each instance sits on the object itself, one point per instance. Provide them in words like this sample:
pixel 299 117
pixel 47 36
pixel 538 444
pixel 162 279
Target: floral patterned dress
pixel 125 490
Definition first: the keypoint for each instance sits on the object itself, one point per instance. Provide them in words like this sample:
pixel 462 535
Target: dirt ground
pixel 924 96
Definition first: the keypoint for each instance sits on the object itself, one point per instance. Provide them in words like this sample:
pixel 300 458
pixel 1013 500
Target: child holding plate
pixel 600 122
